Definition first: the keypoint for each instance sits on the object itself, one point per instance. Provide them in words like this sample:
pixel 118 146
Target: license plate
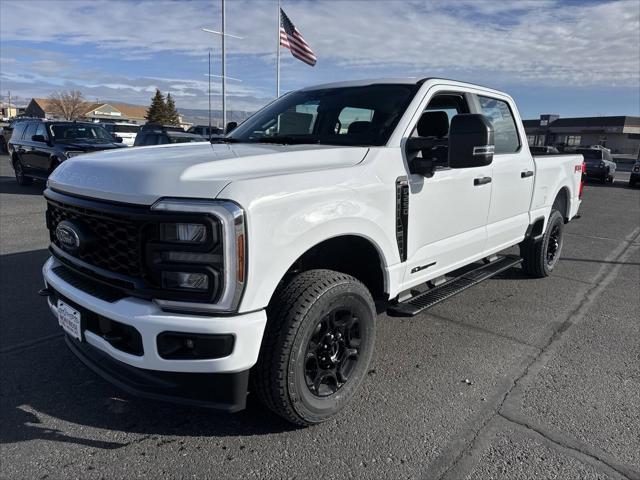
pixel 69 320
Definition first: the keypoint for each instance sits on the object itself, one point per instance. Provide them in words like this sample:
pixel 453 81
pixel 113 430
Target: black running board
pixel 424 300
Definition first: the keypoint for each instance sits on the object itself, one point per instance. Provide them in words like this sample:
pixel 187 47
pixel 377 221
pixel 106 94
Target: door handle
pixel 526 174
pixel 481 181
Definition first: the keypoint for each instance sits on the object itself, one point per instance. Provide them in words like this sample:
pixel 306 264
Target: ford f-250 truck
pixel 258 262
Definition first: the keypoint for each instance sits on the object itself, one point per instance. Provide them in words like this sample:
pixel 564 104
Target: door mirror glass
pixel 471 141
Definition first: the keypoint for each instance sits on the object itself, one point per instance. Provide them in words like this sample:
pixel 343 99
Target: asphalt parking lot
pixel 514 378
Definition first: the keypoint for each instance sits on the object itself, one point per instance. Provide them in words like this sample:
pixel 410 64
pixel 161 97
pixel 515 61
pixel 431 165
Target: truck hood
pixel 142 175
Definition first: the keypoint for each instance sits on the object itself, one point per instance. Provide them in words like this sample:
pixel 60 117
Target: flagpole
pixel 278 56
pixel 224 78
pixel 209 133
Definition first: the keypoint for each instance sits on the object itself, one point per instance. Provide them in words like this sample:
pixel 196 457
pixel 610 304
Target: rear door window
pixel 505 133
pixel 30 131
pixel 41 130
pixel 18 130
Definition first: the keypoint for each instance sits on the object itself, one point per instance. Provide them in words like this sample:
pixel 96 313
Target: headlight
pixel 184 232
pixel 198 254
pixel 72 154
pixel 190 281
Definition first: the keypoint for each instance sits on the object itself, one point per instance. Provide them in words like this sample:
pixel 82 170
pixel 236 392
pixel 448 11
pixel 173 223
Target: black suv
pixel 37 147
pixel 205 131
pixel 152 134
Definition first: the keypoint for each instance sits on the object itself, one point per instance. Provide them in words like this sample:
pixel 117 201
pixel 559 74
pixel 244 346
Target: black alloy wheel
pixel 332 352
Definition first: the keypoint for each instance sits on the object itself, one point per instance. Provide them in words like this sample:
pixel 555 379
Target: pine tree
pixel 171 114
pixel 156 113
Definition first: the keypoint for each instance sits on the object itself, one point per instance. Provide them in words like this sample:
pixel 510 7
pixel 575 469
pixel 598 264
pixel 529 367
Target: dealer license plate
pixel 69 320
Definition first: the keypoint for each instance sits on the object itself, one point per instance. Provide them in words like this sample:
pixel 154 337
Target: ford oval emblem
pixel 68 236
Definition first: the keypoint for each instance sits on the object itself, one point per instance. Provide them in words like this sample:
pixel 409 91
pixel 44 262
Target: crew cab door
pixel 40 158
pixel 513 175
pixel 448 210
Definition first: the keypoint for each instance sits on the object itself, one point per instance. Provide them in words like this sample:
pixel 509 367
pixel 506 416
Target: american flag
pixel 291 38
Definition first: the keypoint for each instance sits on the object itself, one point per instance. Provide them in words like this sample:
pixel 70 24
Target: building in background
pixel 619 134
pixel 8 111
pixel 104 112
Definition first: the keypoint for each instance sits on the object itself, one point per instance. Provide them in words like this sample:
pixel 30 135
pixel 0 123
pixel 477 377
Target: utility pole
pixel 224 78
pixel 209 94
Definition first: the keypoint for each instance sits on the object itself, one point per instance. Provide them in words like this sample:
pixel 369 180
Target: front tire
pixel 540 258
pixel 21 178
pixel 317 346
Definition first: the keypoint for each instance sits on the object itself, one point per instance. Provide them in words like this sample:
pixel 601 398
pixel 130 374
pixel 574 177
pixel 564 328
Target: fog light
pixel 183 232
pixel 191 281
pixel 194 346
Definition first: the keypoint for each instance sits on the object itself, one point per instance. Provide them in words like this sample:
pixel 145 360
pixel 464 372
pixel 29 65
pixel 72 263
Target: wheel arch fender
pixel 268 271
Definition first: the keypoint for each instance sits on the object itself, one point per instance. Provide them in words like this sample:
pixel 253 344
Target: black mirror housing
pixel 230 127
pixel 38 138
pixel 471 142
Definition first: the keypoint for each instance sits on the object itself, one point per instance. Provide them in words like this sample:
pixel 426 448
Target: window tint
pixel 590 154
pixel 349 115
pixel 504 126
pixel 41 130
pixel 18 129
pixel 125 128
pixel 312 116
pixel 30 131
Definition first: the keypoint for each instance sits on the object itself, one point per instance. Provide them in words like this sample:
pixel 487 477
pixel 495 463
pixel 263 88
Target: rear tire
pixel 317 346
pixel 540 258
pixel 21 178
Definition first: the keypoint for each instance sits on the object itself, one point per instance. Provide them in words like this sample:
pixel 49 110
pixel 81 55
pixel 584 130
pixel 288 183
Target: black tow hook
pixel 45 292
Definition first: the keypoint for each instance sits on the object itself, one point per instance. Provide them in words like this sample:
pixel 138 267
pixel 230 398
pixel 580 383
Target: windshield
pixel 71 132
pixel 122 128
pixel 185 139
pixel 333 116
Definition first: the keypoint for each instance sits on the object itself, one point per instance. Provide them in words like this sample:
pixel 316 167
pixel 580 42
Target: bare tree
pixel 69 105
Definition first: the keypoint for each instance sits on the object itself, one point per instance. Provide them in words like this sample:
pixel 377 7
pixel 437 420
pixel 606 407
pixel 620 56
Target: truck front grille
pixel 116 245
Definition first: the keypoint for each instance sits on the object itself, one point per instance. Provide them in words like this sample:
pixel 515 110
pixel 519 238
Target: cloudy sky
pixel 554 56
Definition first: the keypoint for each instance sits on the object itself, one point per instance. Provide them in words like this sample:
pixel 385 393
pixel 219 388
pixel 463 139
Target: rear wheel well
pixel 350 254
pixel 561 203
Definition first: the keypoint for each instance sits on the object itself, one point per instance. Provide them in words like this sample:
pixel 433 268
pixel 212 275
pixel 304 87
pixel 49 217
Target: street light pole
pixel 209 93
pixel 224 79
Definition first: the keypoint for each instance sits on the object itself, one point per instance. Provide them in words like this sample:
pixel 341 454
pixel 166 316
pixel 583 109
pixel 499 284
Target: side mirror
pixel 418 165
pixel 230 127
pixel 471 141
pixel 117 139
pixel 38 138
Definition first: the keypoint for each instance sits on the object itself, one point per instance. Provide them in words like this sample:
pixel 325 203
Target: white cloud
pixel 532 41
pixel 527 42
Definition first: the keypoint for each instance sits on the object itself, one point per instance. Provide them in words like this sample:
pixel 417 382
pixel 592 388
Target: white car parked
pixel 182 272
pixel 126 131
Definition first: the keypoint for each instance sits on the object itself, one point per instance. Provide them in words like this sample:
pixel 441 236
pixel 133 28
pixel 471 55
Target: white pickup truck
pixel 258 263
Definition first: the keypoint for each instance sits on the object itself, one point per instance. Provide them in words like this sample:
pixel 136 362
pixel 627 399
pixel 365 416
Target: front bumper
pixel 149 374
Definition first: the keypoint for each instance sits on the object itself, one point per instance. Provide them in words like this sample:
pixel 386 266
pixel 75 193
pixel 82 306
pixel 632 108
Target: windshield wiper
pixel 287 140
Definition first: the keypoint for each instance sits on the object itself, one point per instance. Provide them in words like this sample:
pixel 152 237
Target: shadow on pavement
pixel 11 187
pixel 595 183
pixel 589 260
pixel 46 393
